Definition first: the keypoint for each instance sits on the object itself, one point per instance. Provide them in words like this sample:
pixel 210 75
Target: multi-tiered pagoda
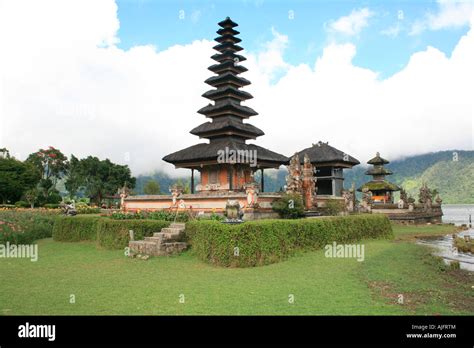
pixel 381 188
pixel 226 162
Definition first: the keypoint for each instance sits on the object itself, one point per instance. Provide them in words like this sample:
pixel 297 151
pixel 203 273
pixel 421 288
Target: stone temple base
pixel 167 242
pixel 416 216
pixel 205 203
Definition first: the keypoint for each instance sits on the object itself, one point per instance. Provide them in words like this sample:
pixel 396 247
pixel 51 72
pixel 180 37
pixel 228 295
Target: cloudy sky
pixel 123 80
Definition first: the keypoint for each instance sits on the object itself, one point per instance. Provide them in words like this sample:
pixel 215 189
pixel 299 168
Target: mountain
pixel 450 172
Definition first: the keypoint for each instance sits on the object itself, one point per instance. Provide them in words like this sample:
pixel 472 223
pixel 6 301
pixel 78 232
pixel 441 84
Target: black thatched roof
pixel 227 46
pixel 377 160
pixel 229 91
pixel 228 38
pixel 227 124
pixel 226 79
pixel 227 31
pixel 323 153
pixel 378 171
pixel 228 55
pixel 209 152
pixel 227 23
pixel 228 66
pixel 379 185
pixel 227 107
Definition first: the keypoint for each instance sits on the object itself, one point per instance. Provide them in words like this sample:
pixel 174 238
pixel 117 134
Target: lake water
pixel 457 214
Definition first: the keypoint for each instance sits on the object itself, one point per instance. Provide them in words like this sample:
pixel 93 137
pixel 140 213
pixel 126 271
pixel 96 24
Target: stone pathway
pixel 167 242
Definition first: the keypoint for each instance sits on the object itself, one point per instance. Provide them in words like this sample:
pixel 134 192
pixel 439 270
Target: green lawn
pixel 107 282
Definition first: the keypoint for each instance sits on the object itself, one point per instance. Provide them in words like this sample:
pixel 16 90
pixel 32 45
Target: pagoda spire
pixel 226 112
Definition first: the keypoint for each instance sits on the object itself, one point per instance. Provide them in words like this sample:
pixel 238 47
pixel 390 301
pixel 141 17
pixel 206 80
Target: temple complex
pixel 381 189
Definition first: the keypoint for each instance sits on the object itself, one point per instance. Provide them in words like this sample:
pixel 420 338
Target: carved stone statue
pixel 349 199
pixel 438 200
pixel 233 210
pixel 176 191
pixel 366 200
pixel 403 196
pixel 251 189
pixel 425 197
pixel 124 191
pixel 293 179
pixel 309 183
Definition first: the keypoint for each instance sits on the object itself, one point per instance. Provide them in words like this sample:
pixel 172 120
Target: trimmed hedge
pixel 269 241
pixel 75 228
pixel 25 227
pixel 110 234
pixel 114 234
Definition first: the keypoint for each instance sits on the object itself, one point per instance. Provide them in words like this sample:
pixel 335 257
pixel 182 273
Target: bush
pixel 289 206
pixel 113 234
pixel 334 207
pixel 155 215
pixel 51 206
pixel 110 234
pixel 87 210
pixel 22 204
pixel 269 241
pixel 75 228
pixel 25 227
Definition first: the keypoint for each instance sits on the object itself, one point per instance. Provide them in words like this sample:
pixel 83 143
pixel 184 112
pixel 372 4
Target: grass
pixel 108 283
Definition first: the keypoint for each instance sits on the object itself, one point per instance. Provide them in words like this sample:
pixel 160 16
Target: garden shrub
pixel 289 206
pixel 75 228
pixel 22 204
pixel 27 226
pixel 110 234
pixel 333 207
pixel 51 206
pixel 114 234
pixel 269 241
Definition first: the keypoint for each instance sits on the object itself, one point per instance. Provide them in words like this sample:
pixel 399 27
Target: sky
pixel 123 79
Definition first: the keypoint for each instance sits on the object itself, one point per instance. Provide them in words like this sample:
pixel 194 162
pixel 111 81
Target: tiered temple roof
pixel 226 127
pixel 322 154
pixel 378 172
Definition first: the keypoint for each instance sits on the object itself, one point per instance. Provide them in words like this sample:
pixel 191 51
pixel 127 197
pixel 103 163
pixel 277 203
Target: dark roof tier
pixel 227 66
pixel 227 46
pixel 379 171
pixel 227 107
pixel 227 31
pixel 228 79
pixel 209 152
pixel 228 55
pixel 379 185
pixel 227 23
pixel 322 153
pixel 228 38
pixel 377 160
pixel 227 126
pixel 227 92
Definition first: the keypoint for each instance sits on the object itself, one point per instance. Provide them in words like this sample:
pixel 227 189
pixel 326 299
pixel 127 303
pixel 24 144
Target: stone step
pixel 174 248
pixel 172 230
pixel 143 247
pixel 155 239
pixel 179 225
pixel 168 237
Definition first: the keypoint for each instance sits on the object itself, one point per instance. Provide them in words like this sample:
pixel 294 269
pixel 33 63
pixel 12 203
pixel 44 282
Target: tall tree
pixel 152 187
pixel 98 178
pixel 16 178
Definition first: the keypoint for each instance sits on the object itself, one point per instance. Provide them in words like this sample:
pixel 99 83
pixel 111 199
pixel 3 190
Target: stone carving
pixel 366 203
pixel 438 200
pixel 123 192
pixel 403 196
pixel 251 189
pixel 293 179
pixel 349 199
pixel 425 197
pixel 309 183
pixel 233 211
pixel 176 191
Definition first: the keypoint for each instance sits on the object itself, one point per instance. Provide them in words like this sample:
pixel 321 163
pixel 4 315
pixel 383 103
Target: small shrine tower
pixel 381 188
pixel 226 162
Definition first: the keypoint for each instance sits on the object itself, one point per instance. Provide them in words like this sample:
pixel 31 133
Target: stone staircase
pixel 167 242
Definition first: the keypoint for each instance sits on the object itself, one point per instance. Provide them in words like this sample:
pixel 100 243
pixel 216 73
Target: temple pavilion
pixel 329 164
pixel 227 162
pixel 382 190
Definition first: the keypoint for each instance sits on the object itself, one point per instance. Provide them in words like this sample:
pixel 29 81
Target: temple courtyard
pixel 396 277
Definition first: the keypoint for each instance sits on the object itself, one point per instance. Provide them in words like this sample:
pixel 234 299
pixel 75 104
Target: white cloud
pixel 353 23
pixel 392 31
pixel 450 14
pixel 60 89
